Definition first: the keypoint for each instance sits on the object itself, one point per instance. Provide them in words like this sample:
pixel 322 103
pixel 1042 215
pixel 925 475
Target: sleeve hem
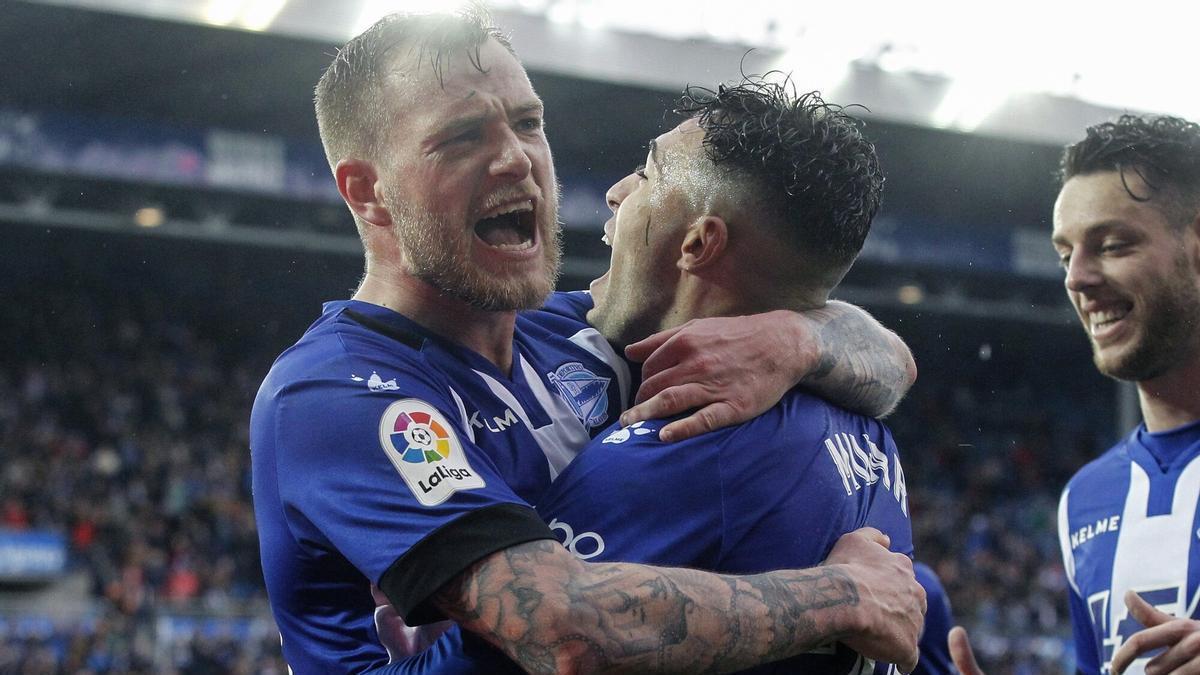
pixel 452 548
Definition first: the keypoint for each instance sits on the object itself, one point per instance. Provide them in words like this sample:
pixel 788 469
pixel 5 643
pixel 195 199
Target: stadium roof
pixel 1023 69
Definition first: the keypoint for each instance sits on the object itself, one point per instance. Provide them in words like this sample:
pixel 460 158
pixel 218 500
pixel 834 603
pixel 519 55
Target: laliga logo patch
pixel 584 391
pixel 423 448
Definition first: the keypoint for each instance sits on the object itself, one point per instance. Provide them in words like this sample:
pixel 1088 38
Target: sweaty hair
pixel 1163 151
pixel 811 172
pixel 351 95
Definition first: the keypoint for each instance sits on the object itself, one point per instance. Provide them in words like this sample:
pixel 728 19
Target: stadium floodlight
pixel 256 15
pixel 149 217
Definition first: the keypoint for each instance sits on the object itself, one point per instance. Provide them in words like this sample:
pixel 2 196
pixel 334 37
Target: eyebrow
pixel 1097 229
pixel 459 125
pixel 473 120
pixel 525 108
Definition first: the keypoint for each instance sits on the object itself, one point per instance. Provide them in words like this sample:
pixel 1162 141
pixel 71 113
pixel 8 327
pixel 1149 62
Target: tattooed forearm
pixel 863 366
pixel 551 613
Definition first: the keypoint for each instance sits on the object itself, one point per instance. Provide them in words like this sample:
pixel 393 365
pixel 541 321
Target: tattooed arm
pixel 552 613
pixel 730 369
pixel 861 364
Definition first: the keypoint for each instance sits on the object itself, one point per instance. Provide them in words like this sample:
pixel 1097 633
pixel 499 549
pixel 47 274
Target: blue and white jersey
pixel 1128 521
pixel 775 492
pixel 386 456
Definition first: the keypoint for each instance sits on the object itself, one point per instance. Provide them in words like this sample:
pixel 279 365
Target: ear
pixel 356 181
pixel 704 243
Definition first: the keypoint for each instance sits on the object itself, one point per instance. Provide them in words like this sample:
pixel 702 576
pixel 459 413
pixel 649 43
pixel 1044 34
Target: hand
pixel 730 369
pixel 891 606
pixel 398 638
pixel 1181 637
pixel 961 652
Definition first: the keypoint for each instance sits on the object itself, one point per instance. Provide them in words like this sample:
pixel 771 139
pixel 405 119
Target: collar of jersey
pixel 442 347
pixel 1170 449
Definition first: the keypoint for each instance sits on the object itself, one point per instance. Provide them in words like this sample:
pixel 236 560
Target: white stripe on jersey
pixel 591 340
pixel 462 410
pixel 1064 540
pixel 564 437
pixel 1168 535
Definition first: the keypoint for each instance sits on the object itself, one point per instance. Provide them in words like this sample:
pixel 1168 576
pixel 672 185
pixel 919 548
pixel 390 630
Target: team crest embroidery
pixel 583 390
pixel 424 449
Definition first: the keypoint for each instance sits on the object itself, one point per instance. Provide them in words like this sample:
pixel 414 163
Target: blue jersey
pixel 935 637
pixel 386 456
pixel 1128 521
pixel 775 492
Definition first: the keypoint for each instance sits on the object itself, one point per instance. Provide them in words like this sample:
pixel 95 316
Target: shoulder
pixel 639 457
pixel 572 305
pixel 799 420
pixel 564 315
pixel 351 352
pixel 341 382
pixel 1113 464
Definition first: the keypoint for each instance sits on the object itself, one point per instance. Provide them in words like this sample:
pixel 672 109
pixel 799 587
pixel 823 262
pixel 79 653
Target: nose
pixel 1083 273
pixel 511 160
pixel 619 191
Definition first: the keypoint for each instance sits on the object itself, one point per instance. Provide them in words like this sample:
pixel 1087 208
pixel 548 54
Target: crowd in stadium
pixel 127 435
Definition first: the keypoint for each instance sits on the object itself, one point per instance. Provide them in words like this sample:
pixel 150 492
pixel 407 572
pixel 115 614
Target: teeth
pixel 514 247
pixel 514 207
pixel 1101 319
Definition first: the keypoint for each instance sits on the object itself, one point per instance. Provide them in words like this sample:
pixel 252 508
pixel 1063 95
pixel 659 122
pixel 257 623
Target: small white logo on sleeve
pixel 623 434
pixel 425 450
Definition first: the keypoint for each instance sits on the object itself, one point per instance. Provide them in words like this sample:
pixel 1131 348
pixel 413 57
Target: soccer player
pixel 397 445
pixel 1127 229
pixel 761 200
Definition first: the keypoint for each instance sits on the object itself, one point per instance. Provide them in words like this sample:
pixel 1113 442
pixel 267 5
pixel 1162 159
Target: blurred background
pixel 168 225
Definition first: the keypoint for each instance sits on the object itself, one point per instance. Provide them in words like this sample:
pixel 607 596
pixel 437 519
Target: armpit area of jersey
pixel 452 548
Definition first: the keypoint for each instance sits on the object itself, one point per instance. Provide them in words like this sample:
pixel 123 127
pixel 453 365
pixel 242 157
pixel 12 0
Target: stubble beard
pixel 438 253
pixel 1169 334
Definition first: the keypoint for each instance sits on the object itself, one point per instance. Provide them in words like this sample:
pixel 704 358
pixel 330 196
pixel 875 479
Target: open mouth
pixel 1105 321
pixel 513 228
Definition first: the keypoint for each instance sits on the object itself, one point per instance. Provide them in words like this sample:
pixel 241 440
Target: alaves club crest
pixel 584 391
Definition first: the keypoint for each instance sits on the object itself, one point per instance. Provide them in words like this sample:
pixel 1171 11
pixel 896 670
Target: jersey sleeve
pixel 381 473
pixel 1087 660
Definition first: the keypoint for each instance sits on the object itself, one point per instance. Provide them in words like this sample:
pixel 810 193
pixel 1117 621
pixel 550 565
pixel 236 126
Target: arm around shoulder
pixel 730 369
pixel 859 364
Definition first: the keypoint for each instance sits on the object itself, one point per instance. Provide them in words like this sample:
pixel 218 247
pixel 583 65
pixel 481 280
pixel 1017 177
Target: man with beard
pixel 1127 229
pixel 435 138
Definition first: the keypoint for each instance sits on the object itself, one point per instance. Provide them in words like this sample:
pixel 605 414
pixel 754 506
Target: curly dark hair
pixel 1163 151
pixel 817 176
pixel 349 97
